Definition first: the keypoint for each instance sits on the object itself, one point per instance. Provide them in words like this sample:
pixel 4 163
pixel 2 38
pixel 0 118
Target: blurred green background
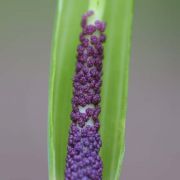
pixel 152 137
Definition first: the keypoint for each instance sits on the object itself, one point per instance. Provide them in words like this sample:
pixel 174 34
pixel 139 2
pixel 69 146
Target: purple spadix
pixel 83 161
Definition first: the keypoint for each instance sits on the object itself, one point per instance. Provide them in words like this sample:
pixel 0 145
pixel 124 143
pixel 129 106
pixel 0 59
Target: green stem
pixel 98 7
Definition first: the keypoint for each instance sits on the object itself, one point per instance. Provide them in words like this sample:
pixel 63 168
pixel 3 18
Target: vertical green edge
pixel 118 16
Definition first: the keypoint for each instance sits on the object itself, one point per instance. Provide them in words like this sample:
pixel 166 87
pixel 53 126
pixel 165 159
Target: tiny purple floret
pixel 83 161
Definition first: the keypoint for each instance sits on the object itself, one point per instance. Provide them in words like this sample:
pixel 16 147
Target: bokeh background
pixel 153 119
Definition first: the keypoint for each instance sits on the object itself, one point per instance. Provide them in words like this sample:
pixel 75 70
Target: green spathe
pixel 118 16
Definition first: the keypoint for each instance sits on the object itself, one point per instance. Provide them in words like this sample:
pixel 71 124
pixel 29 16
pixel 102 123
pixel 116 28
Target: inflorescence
pixel 83 161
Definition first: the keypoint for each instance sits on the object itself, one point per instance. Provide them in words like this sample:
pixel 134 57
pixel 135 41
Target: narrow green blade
pixel 118 15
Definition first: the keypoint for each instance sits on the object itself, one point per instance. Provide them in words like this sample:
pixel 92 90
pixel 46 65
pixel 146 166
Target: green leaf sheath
pixel 118 16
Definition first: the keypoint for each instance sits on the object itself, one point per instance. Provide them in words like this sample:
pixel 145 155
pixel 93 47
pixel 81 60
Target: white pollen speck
pixel 83 109
pixel 89 122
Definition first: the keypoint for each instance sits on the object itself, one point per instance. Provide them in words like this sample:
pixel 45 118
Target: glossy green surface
pixel 118 16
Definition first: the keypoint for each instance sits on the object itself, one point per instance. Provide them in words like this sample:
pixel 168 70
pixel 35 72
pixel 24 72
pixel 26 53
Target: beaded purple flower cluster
pixel 83 161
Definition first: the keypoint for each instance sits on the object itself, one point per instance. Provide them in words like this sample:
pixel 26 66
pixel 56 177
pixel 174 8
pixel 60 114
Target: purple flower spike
pixel 83 161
